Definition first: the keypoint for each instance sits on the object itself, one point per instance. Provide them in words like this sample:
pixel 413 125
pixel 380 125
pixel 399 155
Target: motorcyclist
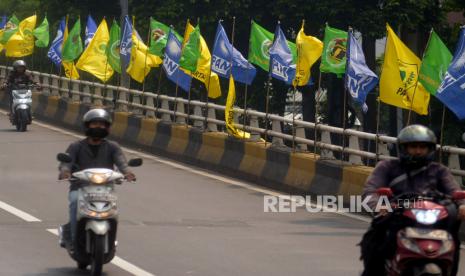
pixel 18 76
pixel 413 172
pixel 94 151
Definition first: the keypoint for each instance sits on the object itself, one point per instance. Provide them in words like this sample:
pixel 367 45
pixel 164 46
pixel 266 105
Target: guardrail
pixel 203 115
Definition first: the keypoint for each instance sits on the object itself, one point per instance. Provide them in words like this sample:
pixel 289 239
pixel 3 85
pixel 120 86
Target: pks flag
pixel 93 59
pixel 260 43
pixel 281 65
pixel 42 34
pixel 126 43
pixel 399 84
pixel 91 28
pixel 452 89
pixel 309 50
pixel 360 80
pixel 54 53
pixel 171 63
pixel 203 67
pixel 113 47
pixel 434 64
pixel 225 57
pixel 333 59
pixel 22 42
pixel 229 113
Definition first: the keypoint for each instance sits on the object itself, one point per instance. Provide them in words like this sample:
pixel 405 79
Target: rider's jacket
pixel 390 173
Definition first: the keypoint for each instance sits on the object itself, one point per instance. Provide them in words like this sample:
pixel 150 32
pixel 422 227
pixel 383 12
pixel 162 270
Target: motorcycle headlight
pixel 98 178
pixel 426 217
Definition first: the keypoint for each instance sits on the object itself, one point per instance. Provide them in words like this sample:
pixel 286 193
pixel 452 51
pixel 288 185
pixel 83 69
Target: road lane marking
pixel 121 263
pixel 15 211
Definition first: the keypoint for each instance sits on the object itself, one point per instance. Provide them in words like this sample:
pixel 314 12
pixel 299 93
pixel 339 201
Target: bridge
pixel 197 208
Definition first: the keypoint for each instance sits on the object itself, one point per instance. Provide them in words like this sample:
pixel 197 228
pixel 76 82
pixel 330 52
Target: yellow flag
pixel 1 35
pixel 141 60
pixel 229 113
pixel 94 59
pixel 70 69
pixel 22 42
pixel 203 67
pixel 309 50
pixel 399 84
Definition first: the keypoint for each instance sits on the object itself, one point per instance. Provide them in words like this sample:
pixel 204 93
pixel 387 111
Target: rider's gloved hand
pixel 130 176
pixel 461 214
pixel 64 175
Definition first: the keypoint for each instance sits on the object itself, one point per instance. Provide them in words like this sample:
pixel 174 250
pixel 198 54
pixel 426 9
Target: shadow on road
pixel 71 271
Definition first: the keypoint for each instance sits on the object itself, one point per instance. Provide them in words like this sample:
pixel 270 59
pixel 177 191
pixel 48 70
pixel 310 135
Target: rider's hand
pixel 461 214
pixel 64 175
pixel 383 211
pixel 130 177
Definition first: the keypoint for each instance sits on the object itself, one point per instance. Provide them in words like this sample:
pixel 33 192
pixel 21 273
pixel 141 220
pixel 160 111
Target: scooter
pixel 97 217
pixel 425 245
pixel 20 113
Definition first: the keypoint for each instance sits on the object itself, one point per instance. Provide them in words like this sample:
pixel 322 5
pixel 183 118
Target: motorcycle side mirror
pixel 64 158
pixel 384 192
pixel 458 195
pixel 136 162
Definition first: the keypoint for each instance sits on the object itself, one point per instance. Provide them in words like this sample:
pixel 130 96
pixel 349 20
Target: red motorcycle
pixel 425 245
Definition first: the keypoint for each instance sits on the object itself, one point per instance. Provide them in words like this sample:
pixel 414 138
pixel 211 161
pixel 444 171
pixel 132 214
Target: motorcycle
pixel 97 217
pixel 425 245
pixel 20 115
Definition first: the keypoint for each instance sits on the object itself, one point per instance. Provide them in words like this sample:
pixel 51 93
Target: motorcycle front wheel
pixel 98 253
pixel 21 122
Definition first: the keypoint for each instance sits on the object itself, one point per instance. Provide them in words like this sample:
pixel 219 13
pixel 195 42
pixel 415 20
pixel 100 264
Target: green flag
pixel 159 36
pixel 73 44
pixel 260 43
pixel 112 50
pixel 434 65
pixel 333 59
pixel 191 52
pixel 42 34
pixel 10 29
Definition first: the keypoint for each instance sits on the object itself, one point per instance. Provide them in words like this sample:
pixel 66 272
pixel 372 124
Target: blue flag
pixel 126 43
pixel 91 28
pixel 171 63
pixel 224 53
pixel 3 22
pixel 451 92
pixel 281 65
pixel 360 80
pixel 54 53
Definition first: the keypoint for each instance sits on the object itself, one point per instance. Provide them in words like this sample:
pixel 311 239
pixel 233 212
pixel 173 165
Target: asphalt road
pixel 173 221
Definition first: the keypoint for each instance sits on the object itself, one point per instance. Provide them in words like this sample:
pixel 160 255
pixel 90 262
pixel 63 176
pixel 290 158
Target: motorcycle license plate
pixel 419 233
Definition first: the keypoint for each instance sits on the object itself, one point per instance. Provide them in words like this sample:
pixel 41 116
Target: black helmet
pixel 19 63
pixel 416 134
pixel 97 114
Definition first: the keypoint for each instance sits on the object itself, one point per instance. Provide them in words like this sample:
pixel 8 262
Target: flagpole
pixel 158 91
pixel 418 78
pixel 267 103
pixel 344 116
pixel 177 78
pixel 299 49
pixel 144 100
pixel 378 103
pixel 190 84
pixel 315 135
pixel 441 139
pixel 245 91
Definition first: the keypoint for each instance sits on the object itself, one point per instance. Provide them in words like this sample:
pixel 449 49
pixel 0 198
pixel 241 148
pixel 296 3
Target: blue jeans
pixel 72 198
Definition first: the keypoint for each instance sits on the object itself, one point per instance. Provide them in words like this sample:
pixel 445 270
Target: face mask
pixel 97 132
